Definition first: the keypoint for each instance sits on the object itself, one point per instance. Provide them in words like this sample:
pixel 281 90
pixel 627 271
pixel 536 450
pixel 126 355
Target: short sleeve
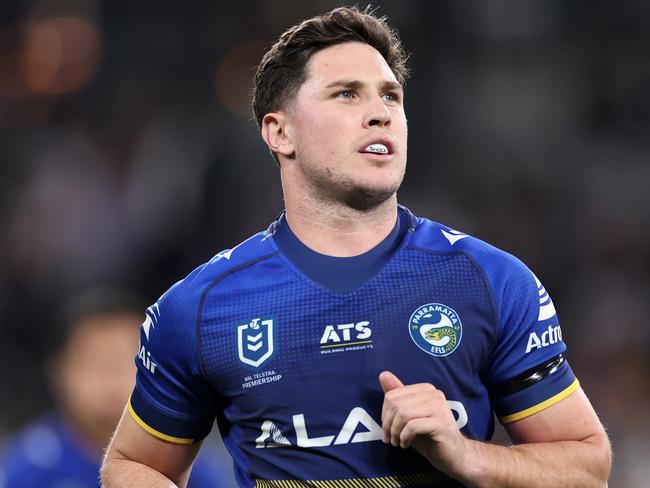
pixel 172 400
pixel 527 370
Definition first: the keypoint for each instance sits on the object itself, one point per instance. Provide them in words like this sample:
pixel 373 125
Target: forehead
pixel 353 60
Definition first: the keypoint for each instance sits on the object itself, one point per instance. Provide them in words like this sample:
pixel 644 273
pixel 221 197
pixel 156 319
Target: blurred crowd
pixel 128 156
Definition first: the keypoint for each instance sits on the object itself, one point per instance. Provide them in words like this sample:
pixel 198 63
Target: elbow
pixel 607 458
pixel 106 471
pixel 105 475
pixel 602 458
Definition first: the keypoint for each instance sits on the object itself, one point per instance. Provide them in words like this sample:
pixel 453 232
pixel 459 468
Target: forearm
pixel 117 473
pixel 563 463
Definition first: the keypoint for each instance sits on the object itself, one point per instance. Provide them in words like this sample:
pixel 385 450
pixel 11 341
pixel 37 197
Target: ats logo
pixel 346 337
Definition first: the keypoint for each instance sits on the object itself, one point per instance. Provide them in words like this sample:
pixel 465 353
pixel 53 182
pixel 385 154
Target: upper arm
pixel 132 443
pixel 527 371
pixel 573 418
pixel 171 408
pixel 172 400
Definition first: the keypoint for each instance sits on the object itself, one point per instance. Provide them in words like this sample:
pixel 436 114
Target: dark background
pixel 128 156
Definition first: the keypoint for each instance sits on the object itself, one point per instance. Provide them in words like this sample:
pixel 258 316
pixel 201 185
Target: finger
pixel 406 411
pixel 396 428
pixel 398 397
pixel 415 427
pixel 387 414
pixel 389 381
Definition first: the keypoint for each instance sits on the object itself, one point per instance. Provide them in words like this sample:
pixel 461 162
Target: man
pixel 91 371
pixel 352 343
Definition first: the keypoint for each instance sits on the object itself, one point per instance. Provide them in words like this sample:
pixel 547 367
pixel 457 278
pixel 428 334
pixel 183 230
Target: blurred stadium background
pixel 128 156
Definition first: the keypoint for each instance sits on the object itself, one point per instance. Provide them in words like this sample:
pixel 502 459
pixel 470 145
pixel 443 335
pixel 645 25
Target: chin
pixel 361 192
pixel 365 198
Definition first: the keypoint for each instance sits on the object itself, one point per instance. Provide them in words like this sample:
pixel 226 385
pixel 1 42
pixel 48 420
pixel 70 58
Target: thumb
pixel 389 381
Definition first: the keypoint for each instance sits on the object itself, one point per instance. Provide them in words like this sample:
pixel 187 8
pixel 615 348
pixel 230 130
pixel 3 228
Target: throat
pixel 336 273
pixel 342 232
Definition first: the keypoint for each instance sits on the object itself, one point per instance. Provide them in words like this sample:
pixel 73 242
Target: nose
pixel 378 114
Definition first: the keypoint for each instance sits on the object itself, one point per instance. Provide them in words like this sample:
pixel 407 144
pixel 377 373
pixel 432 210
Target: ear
pixel 275 134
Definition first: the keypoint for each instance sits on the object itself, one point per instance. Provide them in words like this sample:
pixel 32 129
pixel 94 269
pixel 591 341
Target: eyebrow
pixel 356 84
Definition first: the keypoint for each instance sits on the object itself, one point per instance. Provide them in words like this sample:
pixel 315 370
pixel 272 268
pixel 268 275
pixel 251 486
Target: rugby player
pixel 352 343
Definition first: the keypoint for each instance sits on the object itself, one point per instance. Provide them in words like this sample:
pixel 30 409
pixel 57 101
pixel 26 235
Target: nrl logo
pixel 255 341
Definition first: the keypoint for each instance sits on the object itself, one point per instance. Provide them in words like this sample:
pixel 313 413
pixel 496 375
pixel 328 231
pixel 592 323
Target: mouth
pixel 379 147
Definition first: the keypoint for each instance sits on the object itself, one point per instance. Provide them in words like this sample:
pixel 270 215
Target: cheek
pixel 400 124
pixel 319 131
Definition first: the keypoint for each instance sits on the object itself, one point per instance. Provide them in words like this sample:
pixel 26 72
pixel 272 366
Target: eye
pixel 391 97
pixel 345 94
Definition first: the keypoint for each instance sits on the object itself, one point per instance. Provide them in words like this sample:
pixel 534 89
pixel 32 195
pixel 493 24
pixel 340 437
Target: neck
pixel 335 229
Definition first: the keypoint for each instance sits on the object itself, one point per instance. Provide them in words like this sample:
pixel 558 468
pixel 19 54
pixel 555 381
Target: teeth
pixel 377 148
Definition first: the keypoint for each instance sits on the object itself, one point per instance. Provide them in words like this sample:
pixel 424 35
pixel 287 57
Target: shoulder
pixel 187 293
pixel 173 316
pixel 514 288
pixel 438 238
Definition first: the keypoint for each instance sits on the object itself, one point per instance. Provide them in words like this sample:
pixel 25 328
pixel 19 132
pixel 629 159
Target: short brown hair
pixel 284 66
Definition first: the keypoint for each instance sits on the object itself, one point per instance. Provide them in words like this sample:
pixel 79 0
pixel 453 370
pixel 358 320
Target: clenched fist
pixel 419 416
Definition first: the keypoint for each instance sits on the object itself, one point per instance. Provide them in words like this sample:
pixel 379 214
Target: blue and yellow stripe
pixel 507 419
pixel 154 432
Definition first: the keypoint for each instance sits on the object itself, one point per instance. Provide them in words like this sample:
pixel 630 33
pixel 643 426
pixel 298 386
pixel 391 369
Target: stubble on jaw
pixel 332 190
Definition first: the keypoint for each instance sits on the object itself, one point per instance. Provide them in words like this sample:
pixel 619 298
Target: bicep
pixel 132 443
pixel 572 418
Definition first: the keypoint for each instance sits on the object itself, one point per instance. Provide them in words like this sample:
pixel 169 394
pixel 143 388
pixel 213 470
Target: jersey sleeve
pixel 527 370
pixel 172 400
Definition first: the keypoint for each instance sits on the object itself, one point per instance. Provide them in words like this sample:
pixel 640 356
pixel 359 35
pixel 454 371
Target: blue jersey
pixel 286 356
pixel 46 454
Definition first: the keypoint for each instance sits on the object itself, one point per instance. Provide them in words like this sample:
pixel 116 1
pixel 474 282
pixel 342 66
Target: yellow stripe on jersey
pixel 400 481
pixel 154 432
pixel 541 406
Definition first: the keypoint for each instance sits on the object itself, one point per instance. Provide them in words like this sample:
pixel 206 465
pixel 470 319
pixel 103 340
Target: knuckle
pixel 439 395
pixel 429 387
pixel 408 414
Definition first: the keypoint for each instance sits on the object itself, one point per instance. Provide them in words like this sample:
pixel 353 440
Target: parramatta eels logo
pixel 255 341
pixel 436 329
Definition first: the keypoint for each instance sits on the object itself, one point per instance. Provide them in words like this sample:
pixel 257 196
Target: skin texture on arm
pixel 136 459
pixel 563 445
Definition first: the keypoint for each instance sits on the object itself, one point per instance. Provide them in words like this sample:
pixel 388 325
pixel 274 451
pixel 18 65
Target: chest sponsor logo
pixel 255 341
pixel 346 337
pixel 436 329
pixel 359 426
